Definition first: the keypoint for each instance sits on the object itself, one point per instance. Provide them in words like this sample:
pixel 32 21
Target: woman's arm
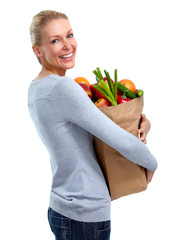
pixel 75 106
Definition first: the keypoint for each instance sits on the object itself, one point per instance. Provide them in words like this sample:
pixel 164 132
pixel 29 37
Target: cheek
pixel 51 52
pixel 74 44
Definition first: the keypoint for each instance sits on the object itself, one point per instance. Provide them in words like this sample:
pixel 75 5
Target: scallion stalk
pixel 98 80
pixel 115 84
pixel 101 90
pixel 109 81
pixel 108 91
pixel 99 73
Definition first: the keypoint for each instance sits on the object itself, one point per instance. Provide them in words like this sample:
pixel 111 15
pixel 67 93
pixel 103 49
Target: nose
pixel 66 44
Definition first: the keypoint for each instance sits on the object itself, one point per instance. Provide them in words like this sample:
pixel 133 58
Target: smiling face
pixel 58 46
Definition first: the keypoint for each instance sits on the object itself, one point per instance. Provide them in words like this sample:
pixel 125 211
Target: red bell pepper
pixel 123 98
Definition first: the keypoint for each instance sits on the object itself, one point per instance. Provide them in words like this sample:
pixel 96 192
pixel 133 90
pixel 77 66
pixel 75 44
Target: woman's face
pixel 58 47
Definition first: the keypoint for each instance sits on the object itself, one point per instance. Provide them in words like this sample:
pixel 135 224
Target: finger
pixel 143 137
pixel 143 116
pixel 144 140
pixel 149 176
pixel 141 130
pixel 149 179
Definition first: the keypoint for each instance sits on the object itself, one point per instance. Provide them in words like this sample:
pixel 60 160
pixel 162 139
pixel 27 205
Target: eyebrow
pixel 59 35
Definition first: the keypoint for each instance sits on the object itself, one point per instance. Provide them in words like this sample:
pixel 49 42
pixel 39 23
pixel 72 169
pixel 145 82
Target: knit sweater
pixel 66 120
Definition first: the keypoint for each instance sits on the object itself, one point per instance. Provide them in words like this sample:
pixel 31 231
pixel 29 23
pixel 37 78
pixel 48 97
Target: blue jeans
pixel 67 229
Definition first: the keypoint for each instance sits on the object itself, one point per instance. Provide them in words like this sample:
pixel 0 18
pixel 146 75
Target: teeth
pixel 66 56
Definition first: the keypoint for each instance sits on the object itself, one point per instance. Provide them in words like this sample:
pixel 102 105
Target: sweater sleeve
pixel 75 106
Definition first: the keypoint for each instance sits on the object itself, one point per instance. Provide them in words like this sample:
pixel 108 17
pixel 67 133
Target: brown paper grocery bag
pixel 122 176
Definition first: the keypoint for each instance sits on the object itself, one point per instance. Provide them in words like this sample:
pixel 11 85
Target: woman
pixel 63 116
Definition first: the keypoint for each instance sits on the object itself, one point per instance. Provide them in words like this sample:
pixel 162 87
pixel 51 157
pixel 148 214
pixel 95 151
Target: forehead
pixel 56 27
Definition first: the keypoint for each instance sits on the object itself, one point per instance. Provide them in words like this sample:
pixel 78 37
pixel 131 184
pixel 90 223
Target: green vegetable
pixel 115 84
pixel 99 73
pixel 139 92
pixel 110 92
pixel 109 81
pixel 129 93
pixel 107 91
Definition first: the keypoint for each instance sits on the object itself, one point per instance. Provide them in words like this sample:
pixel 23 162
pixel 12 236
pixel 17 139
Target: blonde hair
pixel 39 21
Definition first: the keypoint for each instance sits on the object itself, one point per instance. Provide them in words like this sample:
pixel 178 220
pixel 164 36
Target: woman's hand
pixel 149 175
pixel 144 128
pixel 143 131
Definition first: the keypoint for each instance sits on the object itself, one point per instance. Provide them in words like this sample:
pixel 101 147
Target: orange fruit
pixel 128 84
pixel 82 80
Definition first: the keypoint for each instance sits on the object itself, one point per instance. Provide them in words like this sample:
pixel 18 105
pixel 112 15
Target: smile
pixel 67 56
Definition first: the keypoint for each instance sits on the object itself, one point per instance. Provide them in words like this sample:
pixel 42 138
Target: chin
pixel 71 65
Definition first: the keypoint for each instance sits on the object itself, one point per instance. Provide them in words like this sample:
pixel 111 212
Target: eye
pixel 70 35
pixel 55 41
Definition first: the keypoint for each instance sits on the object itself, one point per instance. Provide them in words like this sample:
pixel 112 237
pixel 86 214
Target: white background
pixel 143 40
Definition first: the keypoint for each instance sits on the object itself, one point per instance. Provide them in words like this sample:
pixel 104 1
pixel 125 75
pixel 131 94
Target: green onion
pixel 99 73
pixel 108 91
pixel 101 90
pixel 109 81
pixel 98 80
pixel 115 84
pixel 99 76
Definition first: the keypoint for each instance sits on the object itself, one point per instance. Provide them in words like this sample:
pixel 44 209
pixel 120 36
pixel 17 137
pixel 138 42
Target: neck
pixel 47 71
pixel 51 69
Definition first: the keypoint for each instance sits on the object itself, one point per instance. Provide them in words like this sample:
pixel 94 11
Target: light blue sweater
pixel 66 120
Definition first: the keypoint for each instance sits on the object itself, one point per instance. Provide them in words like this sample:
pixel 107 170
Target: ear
pixel 37 51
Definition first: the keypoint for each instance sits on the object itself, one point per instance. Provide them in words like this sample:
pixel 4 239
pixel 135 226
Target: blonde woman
pixel 63 116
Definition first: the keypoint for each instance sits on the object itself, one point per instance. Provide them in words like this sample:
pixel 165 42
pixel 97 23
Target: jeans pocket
pixel 104 230
pixel 60 225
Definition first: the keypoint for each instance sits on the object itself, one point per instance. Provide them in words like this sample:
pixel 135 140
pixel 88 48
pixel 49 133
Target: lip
pixel 67 56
